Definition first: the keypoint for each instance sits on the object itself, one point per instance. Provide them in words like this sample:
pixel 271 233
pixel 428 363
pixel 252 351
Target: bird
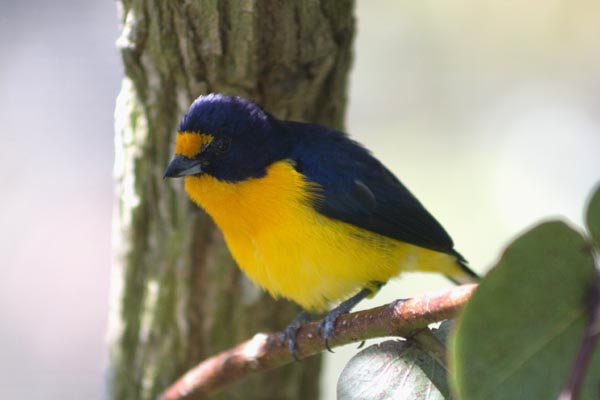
pixel 307 213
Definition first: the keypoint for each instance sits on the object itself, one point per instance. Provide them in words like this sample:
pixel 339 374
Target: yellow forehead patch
pixel 189 144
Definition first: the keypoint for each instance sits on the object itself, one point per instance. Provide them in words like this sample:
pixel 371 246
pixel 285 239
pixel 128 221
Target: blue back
pixel 359 190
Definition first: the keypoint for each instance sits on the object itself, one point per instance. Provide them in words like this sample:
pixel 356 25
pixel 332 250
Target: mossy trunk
pixel 177 296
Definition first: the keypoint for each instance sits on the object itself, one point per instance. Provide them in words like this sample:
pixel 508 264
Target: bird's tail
pixel 464 274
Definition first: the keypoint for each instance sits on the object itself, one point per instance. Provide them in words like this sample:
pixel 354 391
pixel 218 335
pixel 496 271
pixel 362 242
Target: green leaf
pixel 518 335
pixel 393 370
pixel 593 217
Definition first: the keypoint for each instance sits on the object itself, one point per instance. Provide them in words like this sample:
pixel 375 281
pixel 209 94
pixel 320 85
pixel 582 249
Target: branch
pixel 263 352
pixel 591 335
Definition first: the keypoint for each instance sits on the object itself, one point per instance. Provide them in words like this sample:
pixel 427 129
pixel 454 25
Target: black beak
pixel 183 166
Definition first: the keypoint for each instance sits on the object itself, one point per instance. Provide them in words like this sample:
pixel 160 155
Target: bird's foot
pixel 327 326
pixel 290 332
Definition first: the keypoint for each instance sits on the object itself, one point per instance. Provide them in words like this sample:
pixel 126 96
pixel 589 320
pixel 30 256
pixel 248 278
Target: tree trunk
pixel 177 296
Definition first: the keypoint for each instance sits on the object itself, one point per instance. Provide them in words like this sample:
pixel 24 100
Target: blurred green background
pixel 489 111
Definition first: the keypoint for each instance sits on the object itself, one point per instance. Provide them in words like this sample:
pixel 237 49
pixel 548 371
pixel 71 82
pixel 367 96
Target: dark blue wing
pixel 359 190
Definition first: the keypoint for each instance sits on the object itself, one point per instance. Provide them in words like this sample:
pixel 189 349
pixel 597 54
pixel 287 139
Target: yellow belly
pixel 291 250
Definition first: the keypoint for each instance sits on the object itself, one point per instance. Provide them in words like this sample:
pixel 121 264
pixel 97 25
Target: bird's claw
pixel 289 335
pixel 291 332
pixel 327 327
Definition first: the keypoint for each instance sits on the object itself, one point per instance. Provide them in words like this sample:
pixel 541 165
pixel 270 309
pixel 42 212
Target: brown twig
pixel 264 352
pixel 591 335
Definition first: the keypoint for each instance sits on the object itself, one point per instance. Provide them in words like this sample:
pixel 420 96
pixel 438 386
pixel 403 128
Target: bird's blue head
pixel 229 138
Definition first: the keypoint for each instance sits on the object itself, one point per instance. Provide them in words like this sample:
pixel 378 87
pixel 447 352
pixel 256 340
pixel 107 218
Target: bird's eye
pixel 221 145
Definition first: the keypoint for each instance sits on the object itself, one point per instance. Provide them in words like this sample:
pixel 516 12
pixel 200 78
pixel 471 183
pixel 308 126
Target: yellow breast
pixel 288 248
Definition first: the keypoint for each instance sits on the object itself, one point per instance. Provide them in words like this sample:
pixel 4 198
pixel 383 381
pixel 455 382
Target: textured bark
pixel 177 297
